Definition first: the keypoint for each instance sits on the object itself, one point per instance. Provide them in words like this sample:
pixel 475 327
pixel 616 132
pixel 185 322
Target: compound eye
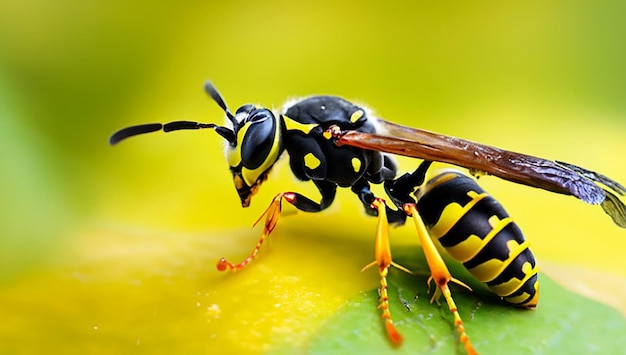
pixel 259 116
pixel 243 112
pixel 258 141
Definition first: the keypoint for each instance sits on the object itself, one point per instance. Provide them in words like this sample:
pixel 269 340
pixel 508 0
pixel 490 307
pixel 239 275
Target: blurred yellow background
pixel 113 249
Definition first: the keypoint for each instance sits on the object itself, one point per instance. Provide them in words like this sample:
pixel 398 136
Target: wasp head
pixel 256 148
pixel 254 141
pixel 254 145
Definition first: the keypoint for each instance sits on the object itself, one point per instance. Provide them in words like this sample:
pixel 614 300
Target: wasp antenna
pixel 227 133
pixel 215 95
pixel 168 127
pixel 133 131
pixel 178 125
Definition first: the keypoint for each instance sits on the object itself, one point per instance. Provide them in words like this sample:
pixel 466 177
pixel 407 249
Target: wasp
pixel 335 143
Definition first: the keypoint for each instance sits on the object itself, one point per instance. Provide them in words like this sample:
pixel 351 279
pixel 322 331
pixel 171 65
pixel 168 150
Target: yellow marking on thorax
pixel 356 164
pixel 293 125
pixel 356 115
pixel 490 269
pixel 311 161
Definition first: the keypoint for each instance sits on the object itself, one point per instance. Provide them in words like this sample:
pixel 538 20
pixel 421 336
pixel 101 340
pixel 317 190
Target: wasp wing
pixel 599 178
pixel 612 204
pixel 516 167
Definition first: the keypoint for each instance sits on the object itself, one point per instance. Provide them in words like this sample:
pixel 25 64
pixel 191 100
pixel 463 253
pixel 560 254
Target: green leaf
pixel 563 323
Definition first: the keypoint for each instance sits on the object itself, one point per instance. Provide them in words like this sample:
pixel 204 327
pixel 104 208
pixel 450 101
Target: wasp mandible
pixel 335 143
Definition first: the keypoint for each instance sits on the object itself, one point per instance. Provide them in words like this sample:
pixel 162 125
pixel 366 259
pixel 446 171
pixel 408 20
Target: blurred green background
pixel 113 249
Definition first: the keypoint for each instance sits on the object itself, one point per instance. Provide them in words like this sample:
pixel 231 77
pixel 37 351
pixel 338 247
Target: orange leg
pixel 440 274
pixel 383 261
pixel 272 213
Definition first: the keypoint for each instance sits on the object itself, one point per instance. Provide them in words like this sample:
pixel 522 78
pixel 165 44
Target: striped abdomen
pixel 475 230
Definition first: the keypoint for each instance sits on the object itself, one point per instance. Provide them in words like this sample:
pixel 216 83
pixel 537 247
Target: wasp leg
pixel 362 189
pixel 440 274
pixel 399 190
pixel 271 218
pixel 328 191
pixel 272 213
pixel 384 262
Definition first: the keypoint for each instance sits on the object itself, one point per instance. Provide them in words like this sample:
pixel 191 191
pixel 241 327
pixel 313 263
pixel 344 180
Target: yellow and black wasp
pixel 335 143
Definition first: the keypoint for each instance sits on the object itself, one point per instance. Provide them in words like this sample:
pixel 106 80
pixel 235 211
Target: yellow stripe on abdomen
pixel 489 270
pixel 453 213
pixel 471 246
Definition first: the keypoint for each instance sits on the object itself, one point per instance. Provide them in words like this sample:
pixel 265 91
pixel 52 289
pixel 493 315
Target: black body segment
pixel 476 230
pixel 315 157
